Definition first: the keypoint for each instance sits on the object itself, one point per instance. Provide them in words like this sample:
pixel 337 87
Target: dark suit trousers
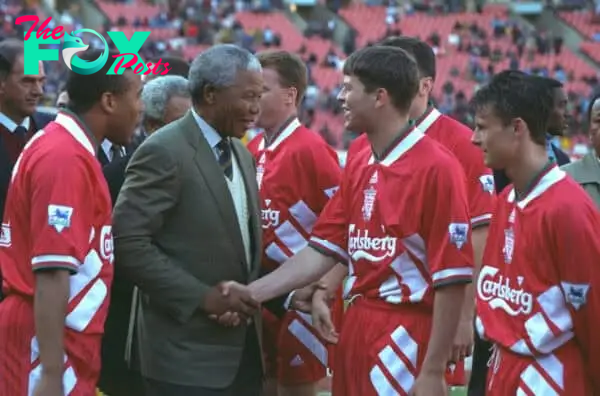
pixel 247 382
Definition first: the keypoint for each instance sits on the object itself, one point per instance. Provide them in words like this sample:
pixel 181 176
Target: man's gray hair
pixel 218 66
pixel 157 93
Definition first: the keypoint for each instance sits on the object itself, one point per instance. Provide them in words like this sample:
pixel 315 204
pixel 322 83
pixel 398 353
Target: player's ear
pixel 291 95
pixel 382 97
pixel 519 127
pixel 425 86
pixel 108 102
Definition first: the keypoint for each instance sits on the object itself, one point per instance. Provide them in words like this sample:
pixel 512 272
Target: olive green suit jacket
pixel 177 235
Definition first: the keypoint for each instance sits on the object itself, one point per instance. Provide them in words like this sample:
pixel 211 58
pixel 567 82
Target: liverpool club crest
pixel 260 170
pixel 369 198
pixel 368 202
pixel 509 245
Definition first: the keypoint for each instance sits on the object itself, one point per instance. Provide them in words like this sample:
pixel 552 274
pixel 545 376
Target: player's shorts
pixel 561 373
pixel 20 368
pixel 381 348
pixel 294 353
pixel 337 317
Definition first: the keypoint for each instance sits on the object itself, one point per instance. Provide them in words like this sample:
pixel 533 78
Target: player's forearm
pixel 50 308
pixel 447 307
pixel 479 237
pixel 334 278
pixel 302 269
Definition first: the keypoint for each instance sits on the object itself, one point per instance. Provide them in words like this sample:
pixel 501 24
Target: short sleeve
pixel 62 213
pixel 480 186
pixel 577 242
pixel 446 226
pixel 330 233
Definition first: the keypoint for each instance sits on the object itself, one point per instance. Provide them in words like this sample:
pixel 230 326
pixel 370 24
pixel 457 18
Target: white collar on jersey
pixel 11 125
pixel 72 126
pixel 553 176
pixel 402 147
pixel 429 119
pixel 287 131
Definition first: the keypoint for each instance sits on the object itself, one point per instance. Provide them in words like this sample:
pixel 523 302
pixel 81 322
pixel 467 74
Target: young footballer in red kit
pixel 455 137
pixel 297 173
pixel 538 293
pixel 408 273
pixel 56 245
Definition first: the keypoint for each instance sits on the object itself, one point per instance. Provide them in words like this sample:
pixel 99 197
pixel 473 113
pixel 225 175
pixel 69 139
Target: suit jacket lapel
pixel 247 169
pixel 102 157
pixel 215 180
pixel 590 169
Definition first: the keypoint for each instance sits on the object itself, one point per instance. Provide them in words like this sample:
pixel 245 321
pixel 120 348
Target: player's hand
pixel 321 317
pixel 463 342
pixel 302 298
pixel 230 296
pixel 49 385
pixel 430 384
pixel 228 319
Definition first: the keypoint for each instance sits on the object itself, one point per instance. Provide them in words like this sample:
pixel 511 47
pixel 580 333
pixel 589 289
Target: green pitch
pixel 455 391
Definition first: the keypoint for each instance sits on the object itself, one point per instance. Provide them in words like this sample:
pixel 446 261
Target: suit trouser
pixel 481 356
pixel 247 382
pixel 116 378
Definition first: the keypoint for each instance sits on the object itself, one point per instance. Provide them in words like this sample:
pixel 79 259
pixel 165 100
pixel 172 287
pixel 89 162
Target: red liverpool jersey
pixel 58 215
pixel 456 137
pixel 297 174
pixel 401 222
pixel 539 288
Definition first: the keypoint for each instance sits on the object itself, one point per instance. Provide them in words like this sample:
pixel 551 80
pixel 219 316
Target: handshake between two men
pixel 231 304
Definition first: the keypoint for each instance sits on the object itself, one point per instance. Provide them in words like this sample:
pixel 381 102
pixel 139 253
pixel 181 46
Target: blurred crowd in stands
pixel 506 43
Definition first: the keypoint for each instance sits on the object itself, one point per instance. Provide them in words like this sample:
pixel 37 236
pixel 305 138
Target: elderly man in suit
pixel 19 119
pixel 186 220
pixel 586 171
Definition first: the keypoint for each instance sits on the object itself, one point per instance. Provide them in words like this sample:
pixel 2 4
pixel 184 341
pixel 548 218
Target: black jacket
pixel 39 120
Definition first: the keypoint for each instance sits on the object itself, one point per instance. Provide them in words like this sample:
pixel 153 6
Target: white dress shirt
pixel 11 125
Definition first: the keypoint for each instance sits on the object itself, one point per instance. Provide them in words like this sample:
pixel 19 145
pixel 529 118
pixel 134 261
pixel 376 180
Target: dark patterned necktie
pixel 116 152
pixel 21 132
pixel 224 147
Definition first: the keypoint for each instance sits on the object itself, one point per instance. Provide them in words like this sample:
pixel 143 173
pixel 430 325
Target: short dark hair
pixel 290 68
pixel 420 50
pixel 86 90
pixel 178 65
pixel 594 99
pixel 390 68
pixel 10 51
pixel 513 94
pixel 548 83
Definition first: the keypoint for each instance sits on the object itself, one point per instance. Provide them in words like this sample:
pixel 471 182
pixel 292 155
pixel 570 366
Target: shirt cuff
pixel 288 301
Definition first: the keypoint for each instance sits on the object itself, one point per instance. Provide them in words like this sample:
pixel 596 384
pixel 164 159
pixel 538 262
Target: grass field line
pixel 454 391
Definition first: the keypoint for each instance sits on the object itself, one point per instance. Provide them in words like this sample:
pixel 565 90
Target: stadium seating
pixel 582 21
pixel 369 22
